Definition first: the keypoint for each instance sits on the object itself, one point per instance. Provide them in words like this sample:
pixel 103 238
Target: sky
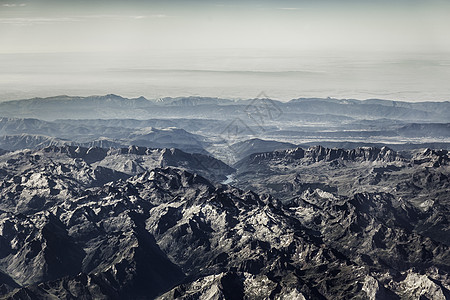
pixel 100 25
pixel 57 46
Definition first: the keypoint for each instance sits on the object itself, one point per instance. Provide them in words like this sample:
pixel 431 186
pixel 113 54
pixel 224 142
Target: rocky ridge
pixel 319 153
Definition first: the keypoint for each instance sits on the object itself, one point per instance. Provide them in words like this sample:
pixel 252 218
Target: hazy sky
pixel 112 25
pixel 83 36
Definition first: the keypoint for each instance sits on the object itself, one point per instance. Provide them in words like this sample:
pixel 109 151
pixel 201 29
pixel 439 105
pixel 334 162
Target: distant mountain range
pixel 18 134
pixel 114 106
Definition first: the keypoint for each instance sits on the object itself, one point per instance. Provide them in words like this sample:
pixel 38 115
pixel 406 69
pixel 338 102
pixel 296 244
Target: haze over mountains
pixel 111 106
pixel 105 197
pixel 203 125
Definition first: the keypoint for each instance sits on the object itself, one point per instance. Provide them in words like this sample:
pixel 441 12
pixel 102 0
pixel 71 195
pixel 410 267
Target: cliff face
pixel 322 154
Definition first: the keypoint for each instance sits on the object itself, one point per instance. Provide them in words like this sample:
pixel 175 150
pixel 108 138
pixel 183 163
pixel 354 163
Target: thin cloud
pixel 289 8
pixel 159 16
pixel 14 5
pixel 124 17
pixel 34 21
pixel 43 21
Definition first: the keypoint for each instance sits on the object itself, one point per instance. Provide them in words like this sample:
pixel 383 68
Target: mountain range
pixel 114 106
pixel 105 197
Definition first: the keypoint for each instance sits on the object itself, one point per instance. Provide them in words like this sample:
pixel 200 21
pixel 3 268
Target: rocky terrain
pixel 421 180
pixel 207 198
pixel 93 223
